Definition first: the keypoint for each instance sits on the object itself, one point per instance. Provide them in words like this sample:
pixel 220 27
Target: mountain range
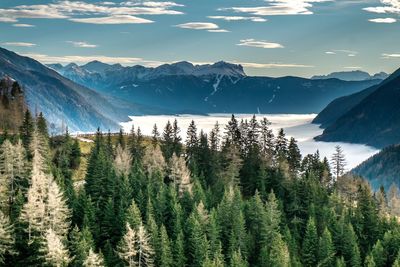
pixel 211 88
pixel 62 100
pixel 369 117
pixel 355 75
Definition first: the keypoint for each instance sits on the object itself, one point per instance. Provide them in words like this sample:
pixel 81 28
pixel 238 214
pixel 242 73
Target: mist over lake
pixel 298 126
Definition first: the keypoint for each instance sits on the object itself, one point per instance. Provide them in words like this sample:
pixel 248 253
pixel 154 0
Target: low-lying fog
pixel 297 126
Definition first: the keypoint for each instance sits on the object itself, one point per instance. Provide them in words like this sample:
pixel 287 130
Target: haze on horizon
pixel 268 37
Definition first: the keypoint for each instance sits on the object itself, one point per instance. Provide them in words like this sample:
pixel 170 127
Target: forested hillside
pixel 382 169
pixel 237 197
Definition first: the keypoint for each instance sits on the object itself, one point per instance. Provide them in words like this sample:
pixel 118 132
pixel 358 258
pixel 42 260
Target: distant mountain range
pixel 62 100
pixel 369 117
pixel 211 88
pixel 382 168
pixel 355 75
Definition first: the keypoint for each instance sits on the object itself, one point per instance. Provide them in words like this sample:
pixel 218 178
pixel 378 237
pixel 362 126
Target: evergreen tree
pixel 7 239
pixel 326 250
pixel 338 162
pixel 310 244
pixel 166 259
pixel 237 260
pixel 26 129
pixel 155 135
pixel 93 260
pixel 56 254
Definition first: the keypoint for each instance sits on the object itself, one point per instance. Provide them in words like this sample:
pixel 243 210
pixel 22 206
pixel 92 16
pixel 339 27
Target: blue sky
pixel 268 37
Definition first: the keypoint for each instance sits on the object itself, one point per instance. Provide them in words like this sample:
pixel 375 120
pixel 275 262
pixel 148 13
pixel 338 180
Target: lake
pixel 297 126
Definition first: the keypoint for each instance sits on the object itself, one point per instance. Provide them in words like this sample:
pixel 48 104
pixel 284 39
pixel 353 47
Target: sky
pixel 268 37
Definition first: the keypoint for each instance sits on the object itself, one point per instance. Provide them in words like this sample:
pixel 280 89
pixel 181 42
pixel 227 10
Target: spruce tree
pixel 326 251
pixel 310 244
pixel 166 259
pixel 7 239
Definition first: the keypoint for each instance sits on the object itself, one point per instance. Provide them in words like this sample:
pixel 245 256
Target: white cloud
pixel 238 18
pixel 21 44
pixel 85 12
pixel 218 30
pixel 279 7
pixel 120 19
pixel 6 19
pixel 85 59
pixel 198 26
pixel 272 65
pixel 82 44
pixel 390 55
pixel 259 44
pixel 349 53
pixel 23 25
pixel 383 20
pixel 387 7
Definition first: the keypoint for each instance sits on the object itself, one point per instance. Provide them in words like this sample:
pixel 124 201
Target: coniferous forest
pixel 239 196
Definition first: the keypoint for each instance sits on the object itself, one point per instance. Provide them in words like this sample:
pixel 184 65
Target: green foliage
pixel 247 199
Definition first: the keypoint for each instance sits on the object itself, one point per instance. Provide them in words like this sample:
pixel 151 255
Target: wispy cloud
pixel 383 20
pixel 208 26
pixel 238 18
pixel 279 7
pixel 85 59
pixel 272 65
pixel 350 53
pixel 24 25
pixel 82 44
pixel 120 19
pixel 20 44
pixel 259 44
pixel 353 68
pixel 96 13
pixel 387 56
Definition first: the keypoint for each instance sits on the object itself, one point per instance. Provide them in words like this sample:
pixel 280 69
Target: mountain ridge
pixel 374 120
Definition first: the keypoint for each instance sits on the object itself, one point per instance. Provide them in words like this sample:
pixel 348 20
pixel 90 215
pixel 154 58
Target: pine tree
pixel 144 251
pixel 166 259
pixel 326 250
pixel 122 160
pixel 156 135
pixel 127 250
pixel 379 254
pixel 233 135
pixel 338 162
pixel 167 144
pixel 294 157
pixel 230 174
pixel 215 138
pixel 7 240
pixel 279 253
pixel 310 244
pixel 93 260
pixel 267 139
pixel 179 251
pixel 281 145
pixel 57 213
pixel 191 141
pixel 237 260
pixel 56 254
pixel 133 216
pixel 180 175
pixel 121 139
pixel 26 129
